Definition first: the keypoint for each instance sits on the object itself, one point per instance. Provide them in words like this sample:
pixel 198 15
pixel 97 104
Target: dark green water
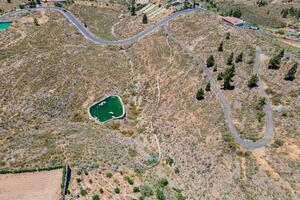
pixel 107 109
pixel 5 25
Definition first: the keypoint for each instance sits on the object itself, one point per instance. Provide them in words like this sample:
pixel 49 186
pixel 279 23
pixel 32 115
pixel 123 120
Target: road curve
pixel 100 41
pixel 226 107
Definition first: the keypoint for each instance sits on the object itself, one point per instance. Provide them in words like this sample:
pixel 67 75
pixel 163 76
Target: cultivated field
pixel 44 185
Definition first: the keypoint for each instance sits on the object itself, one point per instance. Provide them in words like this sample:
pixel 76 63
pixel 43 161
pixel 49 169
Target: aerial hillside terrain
pixel 175 141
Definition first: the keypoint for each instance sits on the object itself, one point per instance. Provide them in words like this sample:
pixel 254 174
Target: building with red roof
pixel 233 21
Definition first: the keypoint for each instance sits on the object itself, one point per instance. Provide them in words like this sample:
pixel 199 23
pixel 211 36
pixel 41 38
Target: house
pixel 233 21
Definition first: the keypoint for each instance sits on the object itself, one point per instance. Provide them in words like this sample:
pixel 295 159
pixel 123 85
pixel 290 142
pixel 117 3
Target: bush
pixel 146 191
pixel 160 194
pixel 136 189
pixel 210 61
pixel 200 94
pixel 253 81
pixel 277 143
pixel 109 175
pixel 117 190
pixel 96 197
pixel 129 180
pixel 78 180
pixel 169 161
pixel 83 192
pixel 162 182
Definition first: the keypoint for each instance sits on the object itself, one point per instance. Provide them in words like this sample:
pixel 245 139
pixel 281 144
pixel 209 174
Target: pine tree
pixel 145 19
pixel 207 88
pixel 291 75
pixel 132 10
pixel 210 61
pixel 230 59
pixel 200 94
pixel 253 81
pixel 239 58
pixel 220 49
pixel 227 76
pixel 227 36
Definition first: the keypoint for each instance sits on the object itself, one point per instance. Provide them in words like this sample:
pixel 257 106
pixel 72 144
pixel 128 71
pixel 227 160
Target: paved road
pixel 226 107
pixel 100 41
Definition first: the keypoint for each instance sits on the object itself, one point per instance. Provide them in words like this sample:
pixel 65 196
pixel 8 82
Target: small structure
pixel 233 21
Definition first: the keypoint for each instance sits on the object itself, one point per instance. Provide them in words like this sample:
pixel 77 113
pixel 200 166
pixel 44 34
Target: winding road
pixel 217 90
pixel 226 107
pixel 100 41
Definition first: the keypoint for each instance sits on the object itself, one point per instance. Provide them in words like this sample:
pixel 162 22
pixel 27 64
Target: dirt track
pixel 31 186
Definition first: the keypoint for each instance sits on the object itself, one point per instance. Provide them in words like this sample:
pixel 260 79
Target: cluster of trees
pixel 200 92
pixel 275 61
pixel 293 12
pixel 235 12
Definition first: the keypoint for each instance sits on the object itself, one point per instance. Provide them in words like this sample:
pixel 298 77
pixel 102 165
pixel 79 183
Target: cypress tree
pixel 207 88
pixel 220 49
pixel 291 75
pixel 145 19
pixel 239 58
pixel 230 59
pixel 200 94
pixel 253 81
pixel 210 61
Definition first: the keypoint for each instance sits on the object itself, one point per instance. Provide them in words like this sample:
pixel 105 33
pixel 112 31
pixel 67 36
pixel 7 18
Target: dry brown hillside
pixel 50 74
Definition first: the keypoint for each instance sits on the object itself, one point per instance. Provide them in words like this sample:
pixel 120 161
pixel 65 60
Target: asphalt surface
pixel 100 41
pixel 225 105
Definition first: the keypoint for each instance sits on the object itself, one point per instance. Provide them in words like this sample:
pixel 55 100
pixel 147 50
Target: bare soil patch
pixel 31 186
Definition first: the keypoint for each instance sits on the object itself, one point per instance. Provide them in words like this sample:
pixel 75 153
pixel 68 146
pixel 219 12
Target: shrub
pixel 162 182
pixel 291 75
pixel 117 190
pixel 109 175
pixel 83 192
pixel 129 180
pixel 136 189
pixel 160 194
pixel 96 197
pixel 253 81
pixel 200 94
pixel 210 61
pixel 169 161
pixel 146 191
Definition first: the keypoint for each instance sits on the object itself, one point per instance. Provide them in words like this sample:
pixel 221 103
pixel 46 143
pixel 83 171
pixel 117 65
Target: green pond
pixel 107 109
pixel 5 25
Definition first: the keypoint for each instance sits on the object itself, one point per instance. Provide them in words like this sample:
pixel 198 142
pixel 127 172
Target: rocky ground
pixel 50 74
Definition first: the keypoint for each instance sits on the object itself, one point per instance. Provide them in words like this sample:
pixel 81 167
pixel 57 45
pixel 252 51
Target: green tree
pixel 132 9
pixel 220 49
pixel 169 161
pixel 36 22
pixel 291 75
pixel 83 192
pixel 227 36
pixel 145 19
pixel 160 194
pixel 227 76
pixel 237 13
pixel 261 103
pixel 117 190
pixel 275 61
pixel 96 197
pixel 210 62
pixel 207 88
pixel 200 94
pixel 162 182
pixel 230 59
pixel 253 81
pixel 239 58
